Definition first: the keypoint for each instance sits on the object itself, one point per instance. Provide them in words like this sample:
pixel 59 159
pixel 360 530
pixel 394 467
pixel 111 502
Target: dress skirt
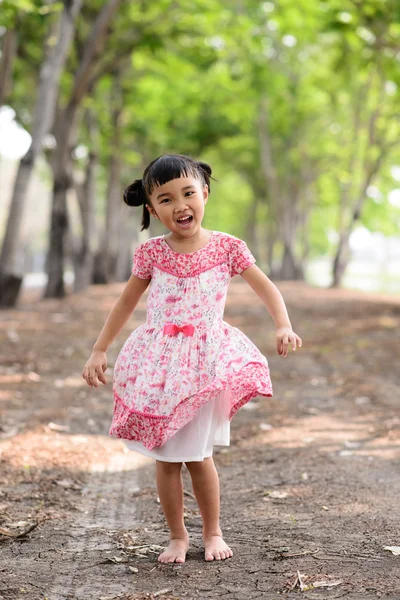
pixel 194 442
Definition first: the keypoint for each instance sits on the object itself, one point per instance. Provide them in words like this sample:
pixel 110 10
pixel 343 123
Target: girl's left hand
pixel 284 337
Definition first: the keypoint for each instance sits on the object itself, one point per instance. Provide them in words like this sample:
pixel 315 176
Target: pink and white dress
pixel 182 375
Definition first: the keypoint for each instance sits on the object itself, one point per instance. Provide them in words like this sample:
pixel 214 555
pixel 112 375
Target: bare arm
pixel 94 369
pixel 273 300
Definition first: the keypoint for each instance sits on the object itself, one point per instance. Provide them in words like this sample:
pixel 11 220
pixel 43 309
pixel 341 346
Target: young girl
pixel 182 375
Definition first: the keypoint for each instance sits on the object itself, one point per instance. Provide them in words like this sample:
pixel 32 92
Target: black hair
pixel 160 171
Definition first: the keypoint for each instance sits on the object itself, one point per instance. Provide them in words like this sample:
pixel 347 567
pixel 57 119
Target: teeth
pixel 184 218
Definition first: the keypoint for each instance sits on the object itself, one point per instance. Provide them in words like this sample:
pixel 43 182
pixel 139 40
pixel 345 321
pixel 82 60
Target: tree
pixel 10 280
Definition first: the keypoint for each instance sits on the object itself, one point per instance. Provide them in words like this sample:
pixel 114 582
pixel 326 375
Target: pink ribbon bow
pixel 173 329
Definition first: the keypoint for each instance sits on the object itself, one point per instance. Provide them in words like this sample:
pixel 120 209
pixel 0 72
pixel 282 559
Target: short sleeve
pixel 240 257
pixel 142 263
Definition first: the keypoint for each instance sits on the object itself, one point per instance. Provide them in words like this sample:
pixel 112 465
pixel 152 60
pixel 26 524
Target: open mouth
pixel 185 221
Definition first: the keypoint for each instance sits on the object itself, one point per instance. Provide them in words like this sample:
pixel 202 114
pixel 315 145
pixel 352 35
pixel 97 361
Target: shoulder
pixel 229 242
pixel 144 257
pixel 150 247
pixel 236 251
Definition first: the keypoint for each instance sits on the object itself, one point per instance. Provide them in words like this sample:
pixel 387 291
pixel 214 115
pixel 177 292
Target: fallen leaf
pixel 362 400
pixel 67 484
pixel 265 426
pixel 350 444
pixel 133 569
pixel 393 549
pixel 32 376
pixel 9 533
pixel 12 336
pixel 318 584
pixel 117 559
pixel 276 494
pixel 56 427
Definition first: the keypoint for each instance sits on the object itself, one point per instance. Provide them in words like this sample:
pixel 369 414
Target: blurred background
pixel 294 103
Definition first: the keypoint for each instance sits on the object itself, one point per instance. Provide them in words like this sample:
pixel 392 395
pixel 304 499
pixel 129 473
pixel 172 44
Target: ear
pixel 205 193
pixel 152 211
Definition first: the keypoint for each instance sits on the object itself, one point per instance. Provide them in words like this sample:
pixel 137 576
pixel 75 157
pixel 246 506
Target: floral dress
pixel 182 375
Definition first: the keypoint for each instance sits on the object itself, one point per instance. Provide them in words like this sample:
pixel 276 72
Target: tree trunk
pixel 342 257
pixel 106 258
pixel 127 239
pixel 341 260
pixel 58 229
pixel 65 134
pixel 291 268
pixel 8 53
pixel 84 258
pixel 42 123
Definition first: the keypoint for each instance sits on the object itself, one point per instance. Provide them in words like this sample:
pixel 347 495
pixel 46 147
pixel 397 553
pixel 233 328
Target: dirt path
pixel 310 483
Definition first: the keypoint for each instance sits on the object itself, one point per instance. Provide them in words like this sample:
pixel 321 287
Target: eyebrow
pixel 167 193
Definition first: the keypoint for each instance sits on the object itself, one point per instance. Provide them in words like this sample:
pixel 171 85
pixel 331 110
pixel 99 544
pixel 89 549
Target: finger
pixel 86 376
pixel 93 378
pixel 293 341
pixel 279 345
pixel 299 341
pixel 101 377
pixel 285 345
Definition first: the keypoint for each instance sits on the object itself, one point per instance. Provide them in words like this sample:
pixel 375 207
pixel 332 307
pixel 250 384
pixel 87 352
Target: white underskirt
pixel 209 427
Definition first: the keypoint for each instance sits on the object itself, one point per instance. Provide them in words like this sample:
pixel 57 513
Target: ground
pixel 310 485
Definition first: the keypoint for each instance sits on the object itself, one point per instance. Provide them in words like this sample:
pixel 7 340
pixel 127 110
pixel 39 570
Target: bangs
pixel 168 167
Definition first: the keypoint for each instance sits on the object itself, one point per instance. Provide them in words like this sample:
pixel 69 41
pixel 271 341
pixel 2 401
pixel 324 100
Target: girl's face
pixel 179 205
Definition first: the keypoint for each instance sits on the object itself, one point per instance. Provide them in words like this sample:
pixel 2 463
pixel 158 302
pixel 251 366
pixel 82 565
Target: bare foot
pixel 216 548
pixel 176 551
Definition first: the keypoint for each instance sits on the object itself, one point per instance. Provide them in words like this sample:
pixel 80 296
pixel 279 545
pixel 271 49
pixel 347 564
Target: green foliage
pixel 13 12
pixel 195 76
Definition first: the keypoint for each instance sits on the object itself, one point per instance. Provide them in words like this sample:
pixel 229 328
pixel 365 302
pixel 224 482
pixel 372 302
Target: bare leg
pixel 206 489
pixel 170 492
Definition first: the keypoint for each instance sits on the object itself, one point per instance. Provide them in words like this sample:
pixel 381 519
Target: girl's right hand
pixel 93 371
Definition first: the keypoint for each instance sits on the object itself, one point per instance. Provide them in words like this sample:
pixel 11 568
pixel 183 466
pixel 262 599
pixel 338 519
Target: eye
pixel 164 200
pixel 190 193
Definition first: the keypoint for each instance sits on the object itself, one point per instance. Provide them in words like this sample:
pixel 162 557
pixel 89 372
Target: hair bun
pixel 134 194
pixel 205 168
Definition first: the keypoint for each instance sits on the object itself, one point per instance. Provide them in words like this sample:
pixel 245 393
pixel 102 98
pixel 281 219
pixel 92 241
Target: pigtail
pixel 206 171
pixel 135 195
pixel 145 219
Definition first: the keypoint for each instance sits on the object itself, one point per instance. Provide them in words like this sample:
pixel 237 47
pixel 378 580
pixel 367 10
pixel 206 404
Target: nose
pixel 181 205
